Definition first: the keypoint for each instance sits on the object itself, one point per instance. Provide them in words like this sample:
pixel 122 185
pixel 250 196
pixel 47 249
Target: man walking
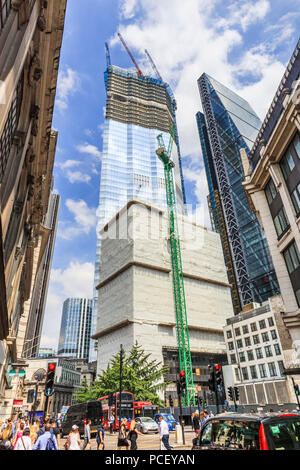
pixel 87 434
pixel 164 432
pixel 46 441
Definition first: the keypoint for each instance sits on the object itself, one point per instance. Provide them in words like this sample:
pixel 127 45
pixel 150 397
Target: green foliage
pixel 140 375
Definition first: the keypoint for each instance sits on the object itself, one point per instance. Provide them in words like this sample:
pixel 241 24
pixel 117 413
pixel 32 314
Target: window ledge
pixel 284 237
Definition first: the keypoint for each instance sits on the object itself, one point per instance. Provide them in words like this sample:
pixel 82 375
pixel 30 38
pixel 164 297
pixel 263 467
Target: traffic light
pixel 182 381
pixel 211 380
pixel 230 393
pixel 200 401
pixel 110 399
pixel 30 396
pixel 237 393
pixel 170 400
pixel 296 388
pixel 50 378
pixel 219 376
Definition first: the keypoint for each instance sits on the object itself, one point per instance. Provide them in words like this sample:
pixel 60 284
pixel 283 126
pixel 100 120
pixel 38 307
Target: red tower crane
pixel 130 55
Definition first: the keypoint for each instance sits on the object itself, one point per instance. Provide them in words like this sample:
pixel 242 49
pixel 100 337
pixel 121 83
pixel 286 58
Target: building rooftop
pixel 264 308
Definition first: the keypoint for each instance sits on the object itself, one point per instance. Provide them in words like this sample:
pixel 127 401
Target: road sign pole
pixel 181 418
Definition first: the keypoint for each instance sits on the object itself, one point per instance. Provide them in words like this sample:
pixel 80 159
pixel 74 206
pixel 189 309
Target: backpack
pixel 50 444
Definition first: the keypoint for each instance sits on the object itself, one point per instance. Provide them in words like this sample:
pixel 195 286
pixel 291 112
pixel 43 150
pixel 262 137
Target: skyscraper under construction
pixel 227 125
pixel 138 108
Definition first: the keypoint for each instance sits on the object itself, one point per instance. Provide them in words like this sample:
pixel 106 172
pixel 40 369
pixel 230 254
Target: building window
pixel 232 359
pixel 250 356
pixel 229 334
pixel 271 321
pixel 248 341
pixel 245 373
pixel 253 327
pixel 259 353
pixel 268 351
pixel 262 324
pixel 270 191
pixel 287 164
pixel 265 337
pixel 253 372
pixel 237 332
pixel 230 346
pixel 242 356
pixel 292 258
pixel 262 370
pixel 273 334
pixel 277 349
pixel 281 367
pixel 295 195
pixel 239 343
pixel 245 329
pixel 237 374
pixel 256 339
pixel 281 222
pixel 272 369
pixel 5 7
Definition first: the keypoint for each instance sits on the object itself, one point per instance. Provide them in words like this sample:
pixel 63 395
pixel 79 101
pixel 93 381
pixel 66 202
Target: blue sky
pixel 245 44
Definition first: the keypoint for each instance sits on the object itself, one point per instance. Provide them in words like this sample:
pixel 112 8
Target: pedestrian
pixel 111 423
pixel 196 423
pixel 24 442
pixel 73 440
pixel 164 433
pixel 87 436
pixel 6 437
pixel 122 441
pixel 100 437
pixel 252 411
pixel 19 433
pixel 133 435
pixel 211 415
pixel 55 431
pixel 46 441
pixel 27 425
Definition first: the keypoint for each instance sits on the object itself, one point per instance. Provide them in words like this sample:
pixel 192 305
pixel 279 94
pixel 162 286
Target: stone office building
pixel 30 40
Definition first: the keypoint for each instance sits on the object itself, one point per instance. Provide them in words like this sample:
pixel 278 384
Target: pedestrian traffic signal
pixel 211 380
pixel 296 388
pixel 182 381
pixel 230 393
pixel 218 375
pixel 204 404
pixel 50 376
pixel 236 393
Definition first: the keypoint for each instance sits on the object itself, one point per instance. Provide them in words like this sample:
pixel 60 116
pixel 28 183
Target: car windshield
pixel 147 420
pixel 168 417
pixel 284 433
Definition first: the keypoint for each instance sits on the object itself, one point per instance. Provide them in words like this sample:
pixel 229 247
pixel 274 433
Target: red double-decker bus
pixel 145 408
pixel 127 409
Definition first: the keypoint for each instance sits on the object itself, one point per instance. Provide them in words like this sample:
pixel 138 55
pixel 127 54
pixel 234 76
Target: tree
pixel 140 375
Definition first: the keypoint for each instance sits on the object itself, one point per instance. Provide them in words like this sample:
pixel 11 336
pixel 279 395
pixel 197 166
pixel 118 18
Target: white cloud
pixel 197 176
pixel 89 149
pixel 245 13
pixel 76 280
pixel 78 177
pixel 68 84
pixel 68 164
pixel 84 217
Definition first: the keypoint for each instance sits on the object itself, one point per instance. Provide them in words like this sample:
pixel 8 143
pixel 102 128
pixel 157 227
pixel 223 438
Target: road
pixel 145 442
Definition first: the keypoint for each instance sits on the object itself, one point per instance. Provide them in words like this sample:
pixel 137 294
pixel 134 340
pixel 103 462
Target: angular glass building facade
pixel 227 125
pixel 138 108
pixel 75 329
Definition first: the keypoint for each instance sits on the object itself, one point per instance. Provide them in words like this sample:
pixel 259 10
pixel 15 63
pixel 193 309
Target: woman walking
pixel 24 442
pixel 122 441
pixel 73 441
pixel 133 435
pixel 19 433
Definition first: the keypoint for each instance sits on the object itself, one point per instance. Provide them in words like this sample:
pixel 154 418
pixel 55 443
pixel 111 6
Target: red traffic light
pixel 218 366
pixel 182 373
pixel 52 366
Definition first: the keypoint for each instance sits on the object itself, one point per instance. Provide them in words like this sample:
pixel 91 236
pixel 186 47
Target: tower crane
pixel 108 61
pixel 153 65
pixel 130 55
pixel 185 360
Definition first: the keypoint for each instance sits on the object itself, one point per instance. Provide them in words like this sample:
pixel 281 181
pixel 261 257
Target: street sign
pixel 49 391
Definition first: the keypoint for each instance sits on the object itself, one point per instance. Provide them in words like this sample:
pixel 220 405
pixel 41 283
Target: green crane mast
pixel 185 360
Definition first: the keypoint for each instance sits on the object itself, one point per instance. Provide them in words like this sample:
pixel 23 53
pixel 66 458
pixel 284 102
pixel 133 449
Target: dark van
pixel 79 414
pixel 269 431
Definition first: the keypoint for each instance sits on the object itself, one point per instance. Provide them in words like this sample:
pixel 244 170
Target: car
pixel 146 424
pixel 169 418
pixel 265 431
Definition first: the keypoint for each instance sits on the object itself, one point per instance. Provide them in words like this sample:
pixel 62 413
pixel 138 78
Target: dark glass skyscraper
pixel 228 125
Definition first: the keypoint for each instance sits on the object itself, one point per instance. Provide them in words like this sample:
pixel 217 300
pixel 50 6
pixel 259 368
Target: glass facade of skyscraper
pixel 138 109
pixel 75 329
pixel 228 125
